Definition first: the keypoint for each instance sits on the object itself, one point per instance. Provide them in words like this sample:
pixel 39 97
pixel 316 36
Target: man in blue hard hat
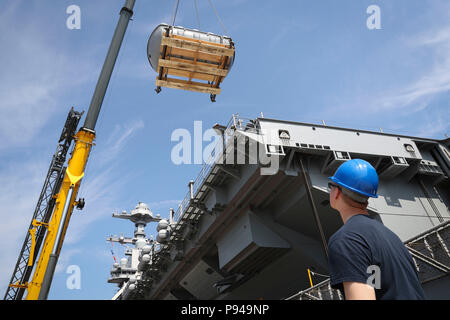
pixel 367 261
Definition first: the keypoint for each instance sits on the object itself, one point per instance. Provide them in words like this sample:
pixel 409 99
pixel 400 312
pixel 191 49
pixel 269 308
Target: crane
pixel 58 197
pixel 208 58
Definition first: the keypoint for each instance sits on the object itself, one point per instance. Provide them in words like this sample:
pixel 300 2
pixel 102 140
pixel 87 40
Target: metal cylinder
pixel 171 216
pixel 191 188
pixel 62 222
pixel 53 259
pixel 102 84
pixel 154 42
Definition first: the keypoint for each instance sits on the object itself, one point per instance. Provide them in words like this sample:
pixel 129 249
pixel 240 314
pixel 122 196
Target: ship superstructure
pixel 126 272
pixel 257 217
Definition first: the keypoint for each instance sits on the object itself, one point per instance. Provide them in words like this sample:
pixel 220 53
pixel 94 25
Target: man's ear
pixel 338 193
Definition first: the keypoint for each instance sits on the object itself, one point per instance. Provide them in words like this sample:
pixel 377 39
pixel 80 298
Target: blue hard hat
pixel 357 175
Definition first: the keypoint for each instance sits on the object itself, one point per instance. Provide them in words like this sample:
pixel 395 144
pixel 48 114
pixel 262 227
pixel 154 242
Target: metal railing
pixel 222 147
pixel 430 252
pixel 321 291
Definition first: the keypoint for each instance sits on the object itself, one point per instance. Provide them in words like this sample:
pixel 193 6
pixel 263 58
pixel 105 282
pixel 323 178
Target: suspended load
pixel 189 59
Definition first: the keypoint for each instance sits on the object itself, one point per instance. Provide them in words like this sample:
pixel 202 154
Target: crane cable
pixel 217 15
pixel 319 274
pixel 310 273
pixel 175 11
pixel 196 11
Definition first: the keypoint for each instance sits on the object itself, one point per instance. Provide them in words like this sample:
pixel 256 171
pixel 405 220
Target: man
pixel 366 260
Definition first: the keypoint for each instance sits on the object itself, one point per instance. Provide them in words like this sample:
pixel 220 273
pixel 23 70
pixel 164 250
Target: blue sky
pixel 303 61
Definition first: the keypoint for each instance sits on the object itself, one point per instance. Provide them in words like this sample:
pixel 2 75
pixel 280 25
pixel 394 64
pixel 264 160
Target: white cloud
pixel 65 257
pixel 117 141
pixel 35 74
pixel 434 81
pixel 154 206
pixel 433 128
pixel 102 191
pixel 428 54
pixel 432 38
pixel 20 186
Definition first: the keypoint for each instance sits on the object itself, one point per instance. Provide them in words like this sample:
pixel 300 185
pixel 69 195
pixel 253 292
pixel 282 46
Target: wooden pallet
pixel 190 59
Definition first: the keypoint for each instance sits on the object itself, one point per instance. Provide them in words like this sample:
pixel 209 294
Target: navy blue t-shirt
pixel 364 250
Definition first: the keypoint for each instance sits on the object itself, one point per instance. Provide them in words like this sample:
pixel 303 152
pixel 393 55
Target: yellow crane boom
pixel 39 287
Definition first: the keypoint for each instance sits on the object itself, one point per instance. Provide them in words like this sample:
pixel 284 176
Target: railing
pixel 245 124
pixel 321 291
pixel 235 123
pixel 430 252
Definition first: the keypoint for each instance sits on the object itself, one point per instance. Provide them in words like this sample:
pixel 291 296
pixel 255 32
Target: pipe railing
pixel 235 123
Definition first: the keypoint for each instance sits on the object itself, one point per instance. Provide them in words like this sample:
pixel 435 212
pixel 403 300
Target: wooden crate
pixel 189 59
